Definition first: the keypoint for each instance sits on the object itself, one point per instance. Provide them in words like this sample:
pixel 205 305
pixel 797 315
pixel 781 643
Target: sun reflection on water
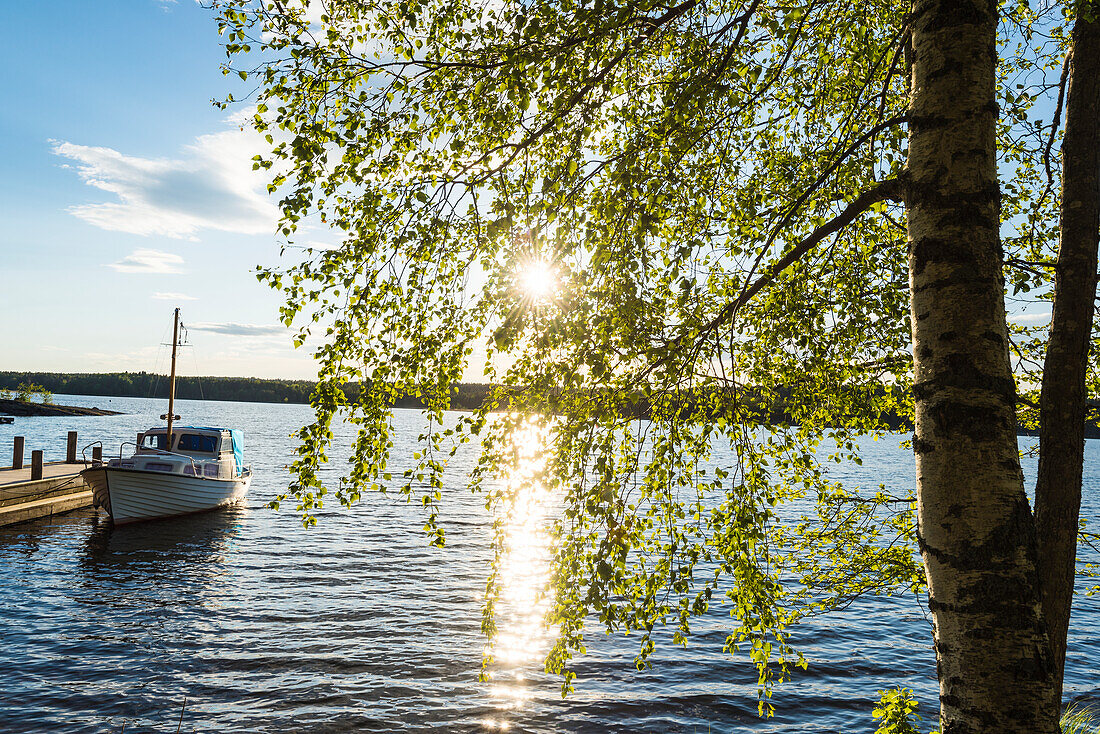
pixel 522 639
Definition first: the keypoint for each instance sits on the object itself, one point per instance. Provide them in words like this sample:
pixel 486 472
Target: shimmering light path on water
pixel 357 625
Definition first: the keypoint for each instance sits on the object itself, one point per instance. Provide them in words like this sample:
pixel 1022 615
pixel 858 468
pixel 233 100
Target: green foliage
pixel 1091 570
pixel 1079 720
pixel 897 710
pixel 27 390
pixel 714 187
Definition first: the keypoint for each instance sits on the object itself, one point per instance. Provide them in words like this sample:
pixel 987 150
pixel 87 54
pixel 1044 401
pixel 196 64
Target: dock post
pixel 17 453
pixel 36 465
pixel 70 449
pixel 97 453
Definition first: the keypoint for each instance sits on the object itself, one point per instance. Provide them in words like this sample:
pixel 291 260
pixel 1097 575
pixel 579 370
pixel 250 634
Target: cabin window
pixel 155 441
pixel 196 442
pixel 153 466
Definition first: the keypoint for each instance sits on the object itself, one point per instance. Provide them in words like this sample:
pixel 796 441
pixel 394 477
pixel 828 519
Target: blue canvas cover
pixel 238 447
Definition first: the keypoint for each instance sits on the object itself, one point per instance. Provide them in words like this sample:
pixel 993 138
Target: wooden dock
pixel 41 489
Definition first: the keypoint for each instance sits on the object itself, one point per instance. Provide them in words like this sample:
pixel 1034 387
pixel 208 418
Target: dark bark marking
pixel 954 251
pixel 929 190
pixel 920 446
pixel 958 371
pixel 979 283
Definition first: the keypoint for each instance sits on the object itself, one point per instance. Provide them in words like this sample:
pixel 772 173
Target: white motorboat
pixel 173 471
pixel 197 469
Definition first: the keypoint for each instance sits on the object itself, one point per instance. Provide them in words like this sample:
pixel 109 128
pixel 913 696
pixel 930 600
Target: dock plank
pixel 60 490
pixel 51 470
pixel 26 511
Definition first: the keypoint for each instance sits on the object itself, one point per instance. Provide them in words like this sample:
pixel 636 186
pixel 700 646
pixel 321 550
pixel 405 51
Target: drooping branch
pixel 889 190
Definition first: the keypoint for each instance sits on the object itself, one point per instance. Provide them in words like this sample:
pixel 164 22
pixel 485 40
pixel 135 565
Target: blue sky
pixel 125 193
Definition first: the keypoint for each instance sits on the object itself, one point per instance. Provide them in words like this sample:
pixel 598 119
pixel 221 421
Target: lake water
pixel 243 621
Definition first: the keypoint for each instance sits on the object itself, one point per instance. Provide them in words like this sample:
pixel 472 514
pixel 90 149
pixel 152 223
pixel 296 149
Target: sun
pixel 538 280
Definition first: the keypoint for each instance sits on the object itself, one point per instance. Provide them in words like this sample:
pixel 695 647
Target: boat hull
pixel 133 495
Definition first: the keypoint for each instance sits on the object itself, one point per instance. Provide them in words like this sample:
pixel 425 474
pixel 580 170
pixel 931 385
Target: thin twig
pixel 1056 122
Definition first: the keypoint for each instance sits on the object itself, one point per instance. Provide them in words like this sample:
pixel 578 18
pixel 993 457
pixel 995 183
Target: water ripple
pixel 357 625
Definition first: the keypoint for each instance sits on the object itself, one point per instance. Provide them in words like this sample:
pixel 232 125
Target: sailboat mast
pixel 172 379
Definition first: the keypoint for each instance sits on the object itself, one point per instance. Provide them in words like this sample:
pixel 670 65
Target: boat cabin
pixel 212 453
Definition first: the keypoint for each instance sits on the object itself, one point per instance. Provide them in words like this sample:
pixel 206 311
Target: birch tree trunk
pixel 976 531
pixel 1062 401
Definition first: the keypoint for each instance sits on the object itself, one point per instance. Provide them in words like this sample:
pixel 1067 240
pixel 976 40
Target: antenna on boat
pixel 172 379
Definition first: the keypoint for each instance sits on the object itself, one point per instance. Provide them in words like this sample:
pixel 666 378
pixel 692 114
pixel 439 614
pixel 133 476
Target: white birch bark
pixel 975 526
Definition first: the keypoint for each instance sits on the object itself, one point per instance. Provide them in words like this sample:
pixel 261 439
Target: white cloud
pixel 210 186
pixel 135 359
pixel 149 261
pixel 233 329
pixel 1030 318
pixel 172 297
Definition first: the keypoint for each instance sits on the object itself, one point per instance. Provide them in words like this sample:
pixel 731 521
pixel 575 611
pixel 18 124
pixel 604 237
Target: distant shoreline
pixel 152 385
pixel 470 396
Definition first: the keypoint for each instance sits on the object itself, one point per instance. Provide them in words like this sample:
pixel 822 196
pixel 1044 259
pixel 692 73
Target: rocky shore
pixel 21 409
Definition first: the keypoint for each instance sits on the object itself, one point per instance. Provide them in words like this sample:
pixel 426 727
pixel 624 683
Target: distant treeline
pixel 468 396
pixel 247 389
pixel 150 385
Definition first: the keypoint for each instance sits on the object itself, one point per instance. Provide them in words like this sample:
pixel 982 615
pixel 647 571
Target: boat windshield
pixel 196 442
pixel 154 441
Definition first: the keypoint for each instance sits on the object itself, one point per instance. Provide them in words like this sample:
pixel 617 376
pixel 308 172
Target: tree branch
pixel 819 182
pixel 887 190
pixel 1056 121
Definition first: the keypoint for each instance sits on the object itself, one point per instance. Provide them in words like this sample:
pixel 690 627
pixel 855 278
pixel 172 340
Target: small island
pixel 21 409
pixel 20 404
